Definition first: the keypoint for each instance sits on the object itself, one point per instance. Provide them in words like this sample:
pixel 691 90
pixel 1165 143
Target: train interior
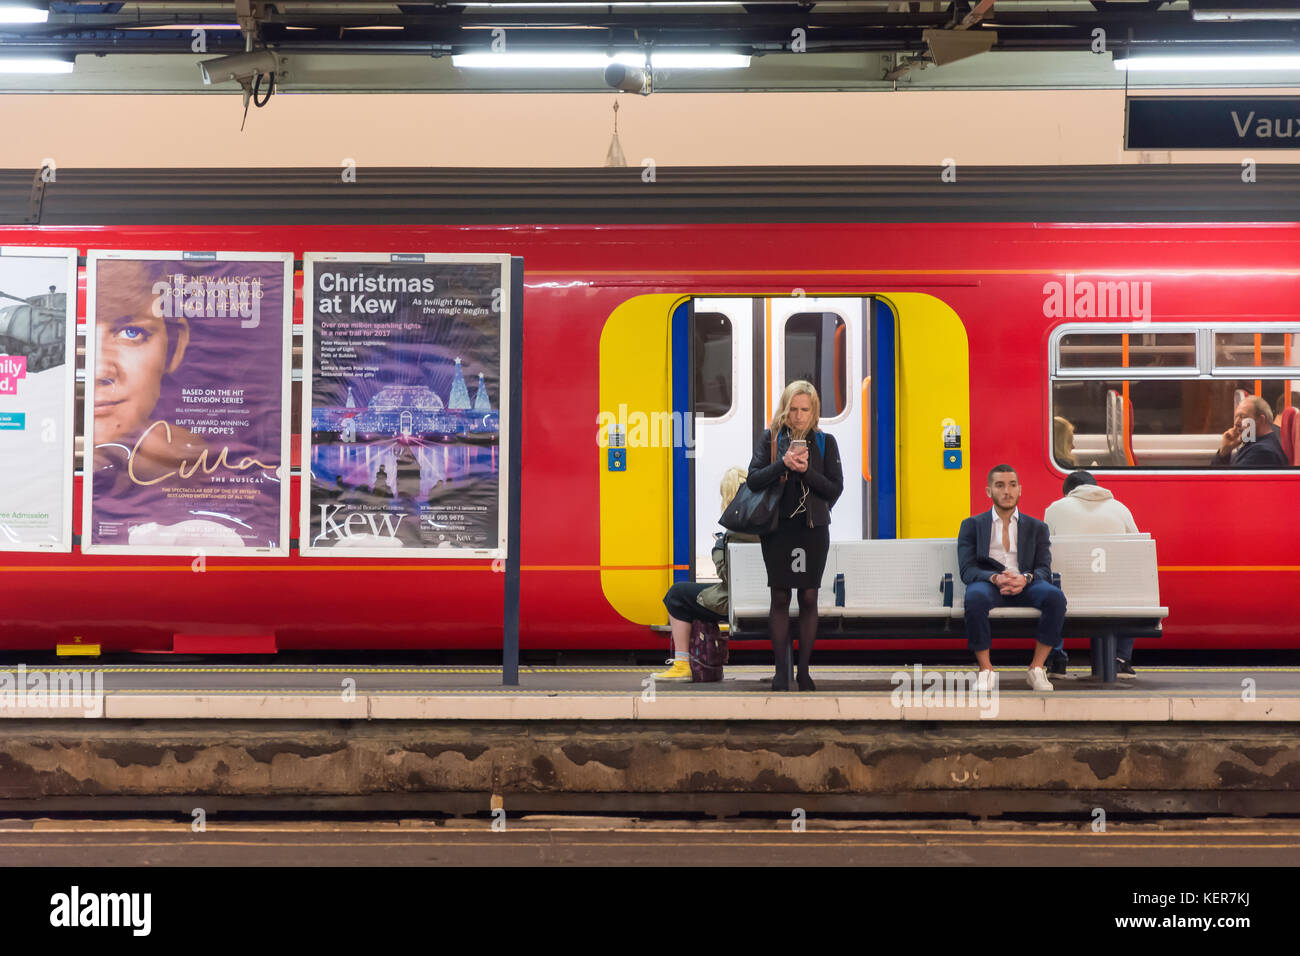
pixel 1144 399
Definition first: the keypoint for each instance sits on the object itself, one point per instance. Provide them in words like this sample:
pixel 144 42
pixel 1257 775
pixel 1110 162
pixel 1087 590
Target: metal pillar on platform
pixel 510 641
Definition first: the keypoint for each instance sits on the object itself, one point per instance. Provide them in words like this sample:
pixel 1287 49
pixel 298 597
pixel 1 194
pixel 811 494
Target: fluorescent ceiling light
pixel 1258 11
pixel 1184 62
pixel 598 61
pixel 38 64
pixel 24 12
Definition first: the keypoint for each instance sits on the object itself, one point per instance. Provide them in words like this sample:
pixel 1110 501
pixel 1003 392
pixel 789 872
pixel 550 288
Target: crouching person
pixel 688 601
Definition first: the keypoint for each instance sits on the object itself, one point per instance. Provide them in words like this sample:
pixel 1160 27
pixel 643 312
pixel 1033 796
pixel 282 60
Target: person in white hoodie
pixel 1087 508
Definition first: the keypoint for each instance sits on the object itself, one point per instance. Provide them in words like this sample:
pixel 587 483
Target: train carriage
pixel 1101 318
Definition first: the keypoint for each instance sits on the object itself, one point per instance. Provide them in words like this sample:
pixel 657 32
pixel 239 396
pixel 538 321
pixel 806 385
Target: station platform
pixel 601 739
pixel 852 693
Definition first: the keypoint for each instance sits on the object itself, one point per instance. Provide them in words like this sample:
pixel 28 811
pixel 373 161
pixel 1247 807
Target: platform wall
pixel 911 127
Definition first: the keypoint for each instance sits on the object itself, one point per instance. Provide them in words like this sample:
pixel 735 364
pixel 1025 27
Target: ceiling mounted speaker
pixel 949 45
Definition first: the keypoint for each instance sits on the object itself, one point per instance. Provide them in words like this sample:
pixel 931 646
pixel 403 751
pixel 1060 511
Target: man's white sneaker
pixel 1038 679
pixel 985 681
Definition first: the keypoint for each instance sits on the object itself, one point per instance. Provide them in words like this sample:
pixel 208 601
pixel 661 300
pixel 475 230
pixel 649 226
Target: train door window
pixel 1142 399
pixel 714 365
pixel 815 352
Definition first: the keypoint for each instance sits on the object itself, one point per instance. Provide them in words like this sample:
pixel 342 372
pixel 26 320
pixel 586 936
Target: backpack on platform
pixel 708 652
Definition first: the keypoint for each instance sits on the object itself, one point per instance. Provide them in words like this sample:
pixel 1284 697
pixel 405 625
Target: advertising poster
pixel 187 395
pixel 404 386
pixel 38 327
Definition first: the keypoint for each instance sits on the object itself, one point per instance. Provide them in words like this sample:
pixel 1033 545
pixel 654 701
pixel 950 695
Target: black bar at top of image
pixel 510 643
pixel 1212 122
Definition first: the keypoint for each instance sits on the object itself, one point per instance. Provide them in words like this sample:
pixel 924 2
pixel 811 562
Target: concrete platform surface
pixel 844 693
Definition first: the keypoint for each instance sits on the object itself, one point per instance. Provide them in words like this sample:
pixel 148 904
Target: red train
pixel 1031 337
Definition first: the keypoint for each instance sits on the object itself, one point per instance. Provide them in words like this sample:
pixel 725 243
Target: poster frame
pixel 284 472
pixel 70 409
pixel 309 261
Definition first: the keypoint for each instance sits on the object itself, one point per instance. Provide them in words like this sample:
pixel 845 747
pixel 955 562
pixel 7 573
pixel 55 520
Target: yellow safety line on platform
pixel 794 841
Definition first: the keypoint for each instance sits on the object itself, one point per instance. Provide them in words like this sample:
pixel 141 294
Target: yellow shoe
pixel 679 671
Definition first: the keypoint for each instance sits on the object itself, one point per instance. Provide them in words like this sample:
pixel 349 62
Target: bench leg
pixel 1107 642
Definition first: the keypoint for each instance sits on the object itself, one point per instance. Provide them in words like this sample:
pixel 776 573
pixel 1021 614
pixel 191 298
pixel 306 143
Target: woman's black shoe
pixel 781 682
pixel 805 681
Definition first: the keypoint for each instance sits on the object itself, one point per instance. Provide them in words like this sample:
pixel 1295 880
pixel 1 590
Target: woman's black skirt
pixel 786 566
pixel 681 603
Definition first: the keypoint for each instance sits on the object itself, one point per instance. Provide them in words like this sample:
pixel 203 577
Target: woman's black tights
pixel 780 632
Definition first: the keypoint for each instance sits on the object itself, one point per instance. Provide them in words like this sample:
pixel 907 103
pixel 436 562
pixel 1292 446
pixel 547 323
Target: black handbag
pixel 755 512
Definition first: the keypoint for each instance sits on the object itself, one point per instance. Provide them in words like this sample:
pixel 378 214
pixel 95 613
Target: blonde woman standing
pixel 808 462
pixel 688 601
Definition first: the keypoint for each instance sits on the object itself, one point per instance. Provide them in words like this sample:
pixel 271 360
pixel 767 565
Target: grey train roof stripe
pixel 880 194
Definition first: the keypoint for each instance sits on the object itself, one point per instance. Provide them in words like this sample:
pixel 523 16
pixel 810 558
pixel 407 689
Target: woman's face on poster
pixel 130 361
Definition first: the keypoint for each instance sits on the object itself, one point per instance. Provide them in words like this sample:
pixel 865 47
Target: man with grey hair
pixel 1252 441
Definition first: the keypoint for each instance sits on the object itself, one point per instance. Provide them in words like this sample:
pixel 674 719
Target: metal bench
pixel 911 588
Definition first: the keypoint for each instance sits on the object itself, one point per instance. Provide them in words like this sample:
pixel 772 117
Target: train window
pixel 1144 350
pixel 1256 349
pixel 815 352
pixel 713 365
pixel 1154 423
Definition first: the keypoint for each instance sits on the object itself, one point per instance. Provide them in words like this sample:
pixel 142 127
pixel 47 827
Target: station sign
pixel 1212 122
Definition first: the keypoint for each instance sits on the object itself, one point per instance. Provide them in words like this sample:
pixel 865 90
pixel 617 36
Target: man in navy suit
pixel 1006 561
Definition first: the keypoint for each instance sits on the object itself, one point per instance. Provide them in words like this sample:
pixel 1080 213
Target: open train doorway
pixel 743 351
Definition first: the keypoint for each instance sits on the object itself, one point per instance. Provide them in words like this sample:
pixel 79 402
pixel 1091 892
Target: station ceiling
pixel 360 46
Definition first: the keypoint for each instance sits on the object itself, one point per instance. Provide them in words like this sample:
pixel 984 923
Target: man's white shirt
pixel 996 552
